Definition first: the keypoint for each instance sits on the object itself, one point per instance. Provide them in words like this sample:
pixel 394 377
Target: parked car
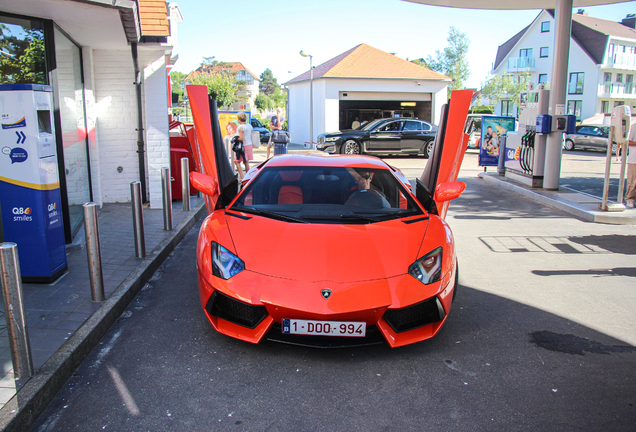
pixel 262 130
pixel 382 136
pixel 589 137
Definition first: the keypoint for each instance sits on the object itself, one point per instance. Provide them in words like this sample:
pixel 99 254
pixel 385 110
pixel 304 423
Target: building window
pixel 618 103
pixel 607 77
pixel 605 109
pixel 545 26
pixel 543 78
pixel 574 107
pixel 575 86
pixel 525 52
pixel 543 52
pixel 22 51
pixel 619 77
pixel 506 108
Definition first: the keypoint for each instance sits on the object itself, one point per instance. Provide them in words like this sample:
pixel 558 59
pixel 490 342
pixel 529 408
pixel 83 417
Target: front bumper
pixel 329 147
pixel 398 310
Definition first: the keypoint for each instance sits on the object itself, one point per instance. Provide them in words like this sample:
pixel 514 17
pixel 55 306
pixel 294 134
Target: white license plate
pixel 324 328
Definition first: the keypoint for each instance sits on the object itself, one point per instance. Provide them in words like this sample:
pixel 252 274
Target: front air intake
pixel 417 315
pixel 234 311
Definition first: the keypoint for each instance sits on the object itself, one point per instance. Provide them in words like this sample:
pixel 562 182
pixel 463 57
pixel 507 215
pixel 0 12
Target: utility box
pixel 30 203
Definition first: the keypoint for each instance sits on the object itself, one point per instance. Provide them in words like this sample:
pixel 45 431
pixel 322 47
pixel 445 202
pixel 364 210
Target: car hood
pixel 326 252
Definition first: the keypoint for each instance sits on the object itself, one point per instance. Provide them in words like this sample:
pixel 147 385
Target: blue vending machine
pixel 30 204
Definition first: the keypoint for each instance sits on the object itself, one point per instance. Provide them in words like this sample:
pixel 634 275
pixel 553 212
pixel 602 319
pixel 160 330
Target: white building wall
pixel 327 101
pixel 116 121
pixel 155 101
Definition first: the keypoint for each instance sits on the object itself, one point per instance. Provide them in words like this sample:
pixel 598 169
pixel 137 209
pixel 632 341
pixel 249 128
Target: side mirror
pixel 449 191
pixel 204 183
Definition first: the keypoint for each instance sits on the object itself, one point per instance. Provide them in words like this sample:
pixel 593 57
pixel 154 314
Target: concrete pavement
pixel 64 325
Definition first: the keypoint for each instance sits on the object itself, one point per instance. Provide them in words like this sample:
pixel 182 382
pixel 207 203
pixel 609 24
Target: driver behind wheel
pixel 364 195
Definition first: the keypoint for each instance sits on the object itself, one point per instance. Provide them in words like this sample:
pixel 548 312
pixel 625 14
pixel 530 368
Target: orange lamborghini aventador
pixel 327 250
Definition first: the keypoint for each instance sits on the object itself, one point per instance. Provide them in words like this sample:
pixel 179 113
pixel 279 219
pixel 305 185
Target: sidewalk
pixel 578 204
pixel 64 325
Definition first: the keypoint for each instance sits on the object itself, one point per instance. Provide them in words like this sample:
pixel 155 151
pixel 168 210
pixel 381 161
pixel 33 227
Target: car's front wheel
pixel 351 147
pixel 569 145
pixel 427 150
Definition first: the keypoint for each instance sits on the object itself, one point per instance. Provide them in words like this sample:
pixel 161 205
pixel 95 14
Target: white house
pixel 601 65
pixel 100 57
pixel 362 84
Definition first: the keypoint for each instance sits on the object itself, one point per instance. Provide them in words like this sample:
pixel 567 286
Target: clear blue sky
pixel 269 34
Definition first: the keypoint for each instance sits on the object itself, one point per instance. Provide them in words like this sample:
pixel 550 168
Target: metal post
pixel 311 103
pixel 608 166
pixel 167 198
pixel 185 183
pixel 558 84
pixel 138 219
pixel 621 179
pixel 11 282
pixel 93 252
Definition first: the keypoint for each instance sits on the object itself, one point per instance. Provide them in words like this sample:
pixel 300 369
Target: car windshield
pixel 371 124
pixel 326 195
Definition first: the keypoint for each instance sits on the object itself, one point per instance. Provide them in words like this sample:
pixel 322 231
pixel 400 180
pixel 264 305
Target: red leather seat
pixel 290 194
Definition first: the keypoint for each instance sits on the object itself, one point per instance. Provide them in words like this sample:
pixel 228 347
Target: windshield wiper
pixel 270 214
pixel 348 217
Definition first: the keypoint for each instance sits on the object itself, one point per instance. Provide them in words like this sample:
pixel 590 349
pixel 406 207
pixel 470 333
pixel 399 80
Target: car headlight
pixel 224 263
pixel 331 139
pixel 428 269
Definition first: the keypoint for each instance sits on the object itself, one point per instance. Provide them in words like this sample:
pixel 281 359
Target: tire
pixel 569 145
pixel 351 147
pixel 428 148
pixel 614 148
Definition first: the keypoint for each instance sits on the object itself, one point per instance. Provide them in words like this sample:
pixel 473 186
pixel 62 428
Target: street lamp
pixel 311 97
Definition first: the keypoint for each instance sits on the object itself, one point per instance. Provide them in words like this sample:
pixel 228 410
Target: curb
pixel 36 394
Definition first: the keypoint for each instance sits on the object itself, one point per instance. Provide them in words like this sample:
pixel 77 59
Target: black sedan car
pixel 262 130
pixel 589 137
pixel 382 136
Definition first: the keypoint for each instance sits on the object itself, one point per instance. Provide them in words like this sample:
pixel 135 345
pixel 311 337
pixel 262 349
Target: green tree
pixel 221 86
pixel 279 98
pixel 268 84
pixel 218 78
pixel 176 78
pixel 452 61
pixel 505 86
pixel 22 58
pixel 263 102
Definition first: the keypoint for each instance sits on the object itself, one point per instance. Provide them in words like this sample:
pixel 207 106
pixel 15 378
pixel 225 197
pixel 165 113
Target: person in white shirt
pixel 245 135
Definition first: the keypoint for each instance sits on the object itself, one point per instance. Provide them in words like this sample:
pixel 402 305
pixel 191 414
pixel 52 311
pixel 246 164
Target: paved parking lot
pixel 541 337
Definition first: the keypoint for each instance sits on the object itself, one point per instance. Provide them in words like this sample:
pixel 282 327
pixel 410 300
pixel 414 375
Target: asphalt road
pixel 541 337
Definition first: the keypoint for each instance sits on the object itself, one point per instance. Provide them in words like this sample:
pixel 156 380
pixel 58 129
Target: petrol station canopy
pixel 512 4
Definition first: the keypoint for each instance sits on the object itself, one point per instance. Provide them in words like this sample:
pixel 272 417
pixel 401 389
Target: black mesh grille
pixel 235 311
pixel 417 315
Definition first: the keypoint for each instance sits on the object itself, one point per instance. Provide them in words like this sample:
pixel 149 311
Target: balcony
pixel 521 64
pixel 617 90
pixel 621 61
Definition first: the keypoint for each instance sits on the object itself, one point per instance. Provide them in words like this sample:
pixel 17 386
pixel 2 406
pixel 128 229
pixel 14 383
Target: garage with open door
pixel 356 108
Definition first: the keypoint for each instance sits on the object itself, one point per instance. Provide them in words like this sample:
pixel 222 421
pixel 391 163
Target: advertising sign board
pixel 492 129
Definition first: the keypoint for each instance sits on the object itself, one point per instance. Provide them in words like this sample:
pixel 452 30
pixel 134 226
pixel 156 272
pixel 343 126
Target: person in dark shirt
pixel 276 123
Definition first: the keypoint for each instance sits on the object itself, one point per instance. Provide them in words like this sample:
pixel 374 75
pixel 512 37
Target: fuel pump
pixel 525 150
pixel 620 124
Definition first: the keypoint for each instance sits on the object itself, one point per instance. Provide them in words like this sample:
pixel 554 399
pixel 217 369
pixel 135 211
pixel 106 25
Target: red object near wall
pixel 179 148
